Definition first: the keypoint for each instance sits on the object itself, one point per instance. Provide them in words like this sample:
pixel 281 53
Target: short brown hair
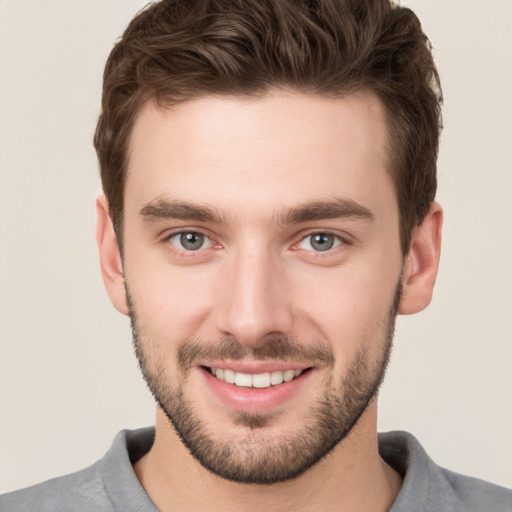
pixel 175 50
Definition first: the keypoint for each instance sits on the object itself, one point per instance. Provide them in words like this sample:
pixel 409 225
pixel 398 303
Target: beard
pixel 250 456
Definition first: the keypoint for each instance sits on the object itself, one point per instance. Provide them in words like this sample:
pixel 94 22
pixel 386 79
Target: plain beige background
pixel 68 379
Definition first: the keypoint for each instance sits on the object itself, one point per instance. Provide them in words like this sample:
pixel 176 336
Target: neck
pixel 351 477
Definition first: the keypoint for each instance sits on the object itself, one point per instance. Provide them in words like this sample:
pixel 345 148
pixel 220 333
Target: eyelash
pixel 181 251
pixel 184 253
pixel 337 242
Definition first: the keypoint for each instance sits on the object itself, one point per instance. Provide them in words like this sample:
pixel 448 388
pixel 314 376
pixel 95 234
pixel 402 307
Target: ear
pixel 110 257
pixel 422 262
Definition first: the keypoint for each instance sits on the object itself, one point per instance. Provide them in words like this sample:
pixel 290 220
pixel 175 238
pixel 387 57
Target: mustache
pixel 277 348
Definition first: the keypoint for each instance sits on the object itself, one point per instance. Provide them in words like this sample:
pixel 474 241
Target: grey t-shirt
pixel 110 485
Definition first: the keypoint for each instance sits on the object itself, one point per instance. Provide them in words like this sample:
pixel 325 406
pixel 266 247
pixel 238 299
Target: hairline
pixel 391 165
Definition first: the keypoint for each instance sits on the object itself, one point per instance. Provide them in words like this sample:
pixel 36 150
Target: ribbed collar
pixel 121 484
pixel 425 486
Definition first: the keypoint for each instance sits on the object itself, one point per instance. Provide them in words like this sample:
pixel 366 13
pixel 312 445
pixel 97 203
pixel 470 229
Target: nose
pixel 254 301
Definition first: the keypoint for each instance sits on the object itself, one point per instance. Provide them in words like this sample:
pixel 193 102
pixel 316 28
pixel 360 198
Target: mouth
pixel 255 380
pixel 253 386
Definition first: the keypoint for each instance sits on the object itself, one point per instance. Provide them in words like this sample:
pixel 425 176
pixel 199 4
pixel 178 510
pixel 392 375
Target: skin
pixel 253 161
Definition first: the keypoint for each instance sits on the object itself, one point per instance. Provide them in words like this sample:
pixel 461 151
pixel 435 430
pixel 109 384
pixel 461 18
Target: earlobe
pixel 422 262
pixel 110 257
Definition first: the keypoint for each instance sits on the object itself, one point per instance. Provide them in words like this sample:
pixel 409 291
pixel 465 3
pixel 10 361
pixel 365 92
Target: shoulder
pixel 108 485
pixel 83 490
pixel 478 495
pixel 430 488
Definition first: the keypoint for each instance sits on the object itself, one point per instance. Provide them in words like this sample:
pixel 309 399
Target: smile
pixel 259 380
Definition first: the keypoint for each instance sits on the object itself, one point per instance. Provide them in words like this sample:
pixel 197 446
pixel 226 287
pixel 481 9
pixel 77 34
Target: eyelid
pixel 180 231
pixel 342 239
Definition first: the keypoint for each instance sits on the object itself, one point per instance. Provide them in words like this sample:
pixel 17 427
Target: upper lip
pixel 255 367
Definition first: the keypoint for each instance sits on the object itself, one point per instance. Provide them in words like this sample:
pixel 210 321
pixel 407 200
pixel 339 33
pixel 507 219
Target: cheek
pixel 171 301
pixel 345 306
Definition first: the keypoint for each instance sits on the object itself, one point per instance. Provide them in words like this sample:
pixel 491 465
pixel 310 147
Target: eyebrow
pixel 323 210
pixel 318 210
pixel 168 209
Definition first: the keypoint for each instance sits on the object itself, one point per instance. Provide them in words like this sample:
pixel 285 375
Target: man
pixel 269 178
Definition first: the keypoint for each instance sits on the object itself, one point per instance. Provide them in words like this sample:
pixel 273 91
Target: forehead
pixel 254 155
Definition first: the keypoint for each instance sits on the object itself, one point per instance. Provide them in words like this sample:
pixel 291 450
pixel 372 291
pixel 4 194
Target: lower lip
pixel 252 400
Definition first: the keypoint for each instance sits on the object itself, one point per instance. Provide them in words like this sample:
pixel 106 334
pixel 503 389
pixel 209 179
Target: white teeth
pixel 259 380
pixel 229 376
pixel 288 375
pixel 276 378
pixel 243 380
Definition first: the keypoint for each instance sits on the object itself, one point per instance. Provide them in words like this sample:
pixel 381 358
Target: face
pixel 262 265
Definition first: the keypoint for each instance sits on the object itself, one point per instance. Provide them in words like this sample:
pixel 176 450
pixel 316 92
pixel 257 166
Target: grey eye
pixel 320 242
pixel 190 241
